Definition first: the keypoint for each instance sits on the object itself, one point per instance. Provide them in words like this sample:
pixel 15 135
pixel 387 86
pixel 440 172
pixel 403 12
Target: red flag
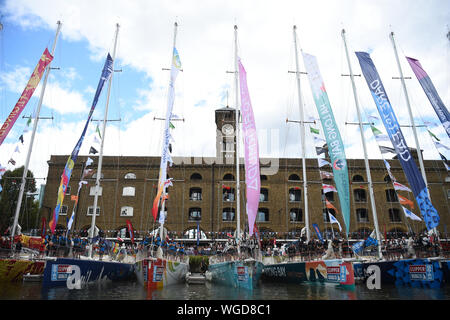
pixel 226 187
pixel 329 205
pixel 130 230
pixel 43 228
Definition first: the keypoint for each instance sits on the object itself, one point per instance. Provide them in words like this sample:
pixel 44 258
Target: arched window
pixel 387 179
pixel 362 215
pixel 94 176
pixel 263 195
pixel 196 176
pixel 295 194
pixel 391 195
pixel 228 214
pixel 294 177
pixel 295 215
pixel 227 193
pixel 228 177
pixel 263 215
pixel 195 194
pixel 130 175
pixel 128 191
pixel 195 214
pixel 358 178
pixel 126 211
pixel 329 196
pixel 359 195
pixel 394 215
pixel 263 177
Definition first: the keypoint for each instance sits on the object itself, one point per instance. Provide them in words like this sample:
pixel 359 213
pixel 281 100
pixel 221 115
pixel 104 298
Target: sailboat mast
pixel 30 148
pixel 402 79
pixel 302 138
pixel 236 81
pixel 366 161
pixel 163 206
pixel 100 157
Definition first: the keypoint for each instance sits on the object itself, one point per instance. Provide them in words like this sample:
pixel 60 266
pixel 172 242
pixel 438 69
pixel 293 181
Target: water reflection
pixel 208 291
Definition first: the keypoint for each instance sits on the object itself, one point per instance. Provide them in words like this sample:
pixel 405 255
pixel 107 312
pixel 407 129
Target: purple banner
pixel 431 93
pixel 251 151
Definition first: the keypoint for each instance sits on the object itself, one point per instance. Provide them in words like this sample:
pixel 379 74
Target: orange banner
pixel 35 78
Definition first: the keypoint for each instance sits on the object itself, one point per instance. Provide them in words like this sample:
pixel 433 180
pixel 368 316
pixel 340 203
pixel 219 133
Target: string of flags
pixel 323 148
pixel 379 137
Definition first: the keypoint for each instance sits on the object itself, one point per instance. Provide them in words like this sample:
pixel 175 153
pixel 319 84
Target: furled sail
pixel 35 78
pixel 65 177
pixel 334 142
pixel 392 126
pixel 431 93
pixel 165 155
pixel 251 152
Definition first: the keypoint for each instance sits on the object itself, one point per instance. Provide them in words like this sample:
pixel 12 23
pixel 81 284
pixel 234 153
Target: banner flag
pixel 328 188
pixel 405 201
pixel 319 234
pixel 334 220
pixel 251 151
pixel 410 215
pixel 130 230
pixel 35 78
pixel 165 156
pixel 65 177
pixel 323 162
pixel 431 93
pixel 399 186
pixel 392 126
pixel 336 149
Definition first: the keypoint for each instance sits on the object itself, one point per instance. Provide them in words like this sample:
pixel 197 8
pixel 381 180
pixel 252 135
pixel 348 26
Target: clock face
pixel 227 129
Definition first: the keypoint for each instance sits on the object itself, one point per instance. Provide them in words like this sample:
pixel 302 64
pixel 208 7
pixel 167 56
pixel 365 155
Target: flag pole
pixel 100 157
pixel 302 138
pixel 30 148
pixel 237 144
pixel 366 161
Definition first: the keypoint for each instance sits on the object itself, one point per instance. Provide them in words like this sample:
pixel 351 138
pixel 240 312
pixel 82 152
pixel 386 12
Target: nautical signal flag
pixel 93 150
pixel 410 215
pixel 334 220
pixel 314 130
pixel 328 188
pixel 326 175
pixel 405 201
pixel 329 205
pixel 399 186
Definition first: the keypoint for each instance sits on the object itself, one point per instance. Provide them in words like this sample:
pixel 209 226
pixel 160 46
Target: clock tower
pixel 226 135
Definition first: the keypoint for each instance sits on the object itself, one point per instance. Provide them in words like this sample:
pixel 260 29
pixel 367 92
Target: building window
pixel 63 211
pixel 228 177
pixel 130 176
pixel 358 178
pixel 68 191
pixel 126 211
pixel 359 195
pixel 391 195
pixel 294 177
pixel 394 215
pixel 296 215
pixel 362 215
pixel 295 194
pixel 91 211
pixel 195 194
pixel 263 177
pixel 263 195
pixel 94 176
pixel 196 176
pixel 227 193
pixel 329 196
pixel 128 191
pixel 228 214
pixel 195 214
pixel 448 193
pixel 387 179
pixel 92 191
pixel 263 215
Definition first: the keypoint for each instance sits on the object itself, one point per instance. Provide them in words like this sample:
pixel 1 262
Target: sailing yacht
pixel 242 269
pixel 157 270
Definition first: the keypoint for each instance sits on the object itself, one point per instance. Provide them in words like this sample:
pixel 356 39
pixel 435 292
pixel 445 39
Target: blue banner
pixel 319 234
pixel 67 173
pixel 358 247
pixel 392 126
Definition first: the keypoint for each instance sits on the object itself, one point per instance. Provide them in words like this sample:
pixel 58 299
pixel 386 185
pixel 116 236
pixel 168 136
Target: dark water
pixel 266 291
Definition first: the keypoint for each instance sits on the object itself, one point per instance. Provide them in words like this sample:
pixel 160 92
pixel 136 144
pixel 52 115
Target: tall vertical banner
pixel 392 126
pixel 165 155
pixel 35 78
pixel 67 173
pixel 317 230
pixel 431 93
pixel 251 151
pixel 336 149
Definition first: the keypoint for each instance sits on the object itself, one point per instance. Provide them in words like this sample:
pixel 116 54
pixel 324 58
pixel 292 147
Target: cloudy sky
pixel 205 42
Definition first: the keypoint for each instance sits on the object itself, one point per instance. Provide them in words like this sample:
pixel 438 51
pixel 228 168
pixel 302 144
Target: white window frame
pixel 130 175
pixel 91 208
pixel 129 211
pixel 63 212
pixel 128 191
pixel 92 191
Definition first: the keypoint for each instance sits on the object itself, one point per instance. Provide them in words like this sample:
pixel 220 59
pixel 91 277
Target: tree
pixel 9 195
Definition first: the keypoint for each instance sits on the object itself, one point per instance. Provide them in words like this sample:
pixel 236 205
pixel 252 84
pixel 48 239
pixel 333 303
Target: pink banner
pixel 251 151
pixel 35 78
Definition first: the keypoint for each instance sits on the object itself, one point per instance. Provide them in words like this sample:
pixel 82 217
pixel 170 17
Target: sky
pixel 205 42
